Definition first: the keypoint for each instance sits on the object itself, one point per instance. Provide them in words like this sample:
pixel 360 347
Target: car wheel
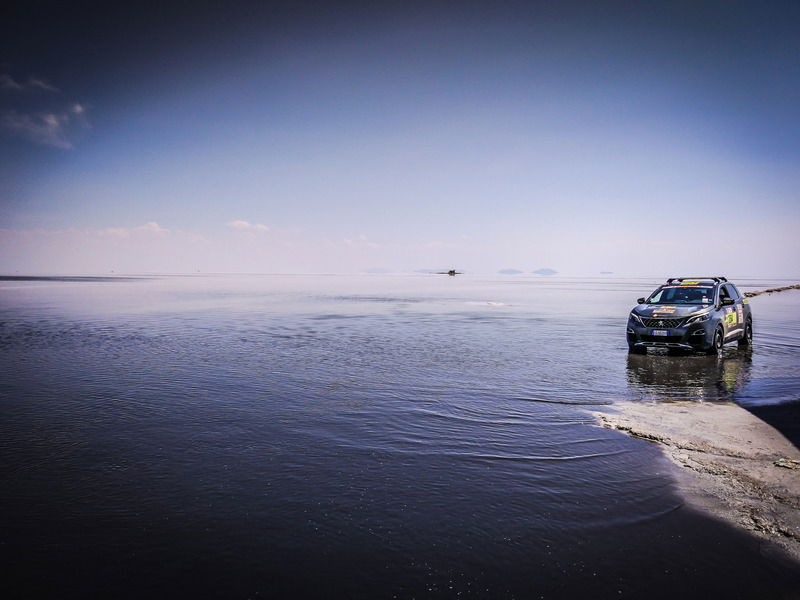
pixel 747 338
pixel 716 345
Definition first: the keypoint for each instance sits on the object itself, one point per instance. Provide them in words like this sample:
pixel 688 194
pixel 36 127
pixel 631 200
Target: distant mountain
pixel 510 271
pixel 545 271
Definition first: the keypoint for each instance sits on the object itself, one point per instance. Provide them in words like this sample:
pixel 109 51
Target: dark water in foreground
pixel 364 437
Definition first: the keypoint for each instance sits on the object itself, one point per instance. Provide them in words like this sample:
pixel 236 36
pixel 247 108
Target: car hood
pixel 669 311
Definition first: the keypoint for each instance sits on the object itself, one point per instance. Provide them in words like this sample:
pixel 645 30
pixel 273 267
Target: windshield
pixel 682 294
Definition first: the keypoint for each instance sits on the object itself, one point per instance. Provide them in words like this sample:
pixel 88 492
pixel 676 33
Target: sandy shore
pixel 731 463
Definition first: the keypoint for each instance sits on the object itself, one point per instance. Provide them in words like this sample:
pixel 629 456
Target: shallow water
pixel 366 436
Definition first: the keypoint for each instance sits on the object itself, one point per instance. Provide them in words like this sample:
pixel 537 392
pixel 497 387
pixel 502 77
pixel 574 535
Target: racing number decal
pixel 730 317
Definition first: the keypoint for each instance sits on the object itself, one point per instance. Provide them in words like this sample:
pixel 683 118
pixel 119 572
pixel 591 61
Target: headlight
pixel 698 318
pixel 636 318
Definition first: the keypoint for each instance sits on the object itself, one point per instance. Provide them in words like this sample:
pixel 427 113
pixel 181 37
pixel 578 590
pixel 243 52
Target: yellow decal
pixel 745 301
pixel 689 282
pixel 730 317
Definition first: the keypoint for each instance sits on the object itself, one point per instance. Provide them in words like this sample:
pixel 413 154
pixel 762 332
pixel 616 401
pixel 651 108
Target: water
pixel 367 437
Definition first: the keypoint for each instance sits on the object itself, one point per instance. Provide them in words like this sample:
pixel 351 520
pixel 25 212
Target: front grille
pixel 662 323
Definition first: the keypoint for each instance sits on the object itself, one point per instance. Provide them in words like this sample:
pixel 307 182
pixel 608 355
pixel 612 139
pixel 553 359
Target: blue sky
pixel 586 137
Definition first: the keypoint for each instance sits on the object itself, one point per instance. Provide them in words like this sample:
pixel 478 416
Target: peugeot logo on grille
pixel 661 323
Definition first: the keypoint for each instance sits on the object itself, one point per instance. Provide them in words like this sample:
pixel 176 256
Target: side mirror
pixel 727 301
pixel 641 300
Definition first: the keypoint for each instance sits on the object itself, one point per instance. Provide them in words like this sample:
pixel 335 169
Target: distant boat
pixel 451 272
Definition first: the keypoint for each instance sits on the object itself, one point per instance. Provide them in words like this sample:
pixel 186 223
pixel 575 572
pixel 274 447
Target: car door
pixel 733 315
pixel 739 305
pixel 744 303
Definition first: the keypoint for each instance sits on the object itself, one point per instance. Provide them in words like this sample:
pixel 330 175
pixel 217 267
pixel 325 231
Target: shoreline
pixel 729 463
pixel 772 290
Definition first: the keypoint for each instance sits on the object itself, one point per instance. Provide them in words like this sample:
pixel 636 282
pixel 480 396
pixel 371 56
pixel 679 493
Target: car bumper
pixel 697 336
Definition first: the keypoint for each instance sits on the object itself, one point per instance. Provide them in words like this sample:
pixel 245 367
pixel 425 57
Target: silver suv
pixel 691 313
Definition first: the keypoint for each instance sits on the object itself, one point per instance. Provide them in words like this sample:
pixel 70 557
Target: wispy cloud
pixel 247 226
pixel 46 128
pixel 151 227
pixel 32 84
pixel 41 119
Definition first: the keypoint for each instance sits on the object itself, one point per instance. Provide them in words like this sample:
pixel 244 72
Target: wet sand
pixel 732 464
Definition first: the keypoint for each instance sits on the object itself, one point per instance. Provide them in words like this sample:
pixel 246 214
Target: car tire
pixel 747 338
pixel 717 343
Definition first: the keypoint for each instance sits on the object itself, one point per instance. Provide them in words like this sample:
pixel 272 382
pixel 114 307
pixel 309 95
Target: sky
pixel 640 138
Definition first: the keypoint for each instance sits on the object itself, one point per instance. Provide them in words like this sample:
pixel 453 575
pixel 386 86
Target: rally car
pixel 691 313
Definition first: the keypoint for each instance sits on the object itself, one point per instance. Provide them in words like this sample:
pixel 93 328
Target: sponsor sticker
pixel 665 310
pixel 689 282
pixel 739 312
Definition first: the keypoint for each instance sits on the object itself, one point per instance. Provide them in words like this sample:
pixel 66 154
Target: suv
pixel 691 313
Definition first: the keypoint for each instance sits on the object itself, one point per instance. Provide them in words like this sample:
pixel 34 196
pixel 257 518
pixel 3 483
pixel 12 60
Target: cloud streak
pixel 32 84
pixel 247 226
pixel 50 125
pixel 151 227
pixel 53 129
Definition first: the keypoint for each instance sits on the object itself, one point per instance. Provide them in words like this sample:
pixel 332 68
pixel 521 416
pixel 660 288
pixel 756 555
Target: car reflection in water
pixel 664 377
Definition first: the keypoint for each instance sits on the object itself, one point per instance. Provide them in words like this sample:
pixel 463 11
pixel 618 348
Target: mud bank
pixel 731 463
pixel 772 290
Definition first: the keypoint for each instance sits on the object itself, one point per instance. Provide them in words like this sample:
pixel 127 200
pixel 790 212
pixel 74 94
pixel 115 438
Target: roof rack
pixel 716 279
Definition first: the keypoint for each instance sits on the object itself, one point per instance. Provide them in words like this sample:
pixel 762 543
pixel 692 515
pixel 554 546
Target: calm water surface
pixel 366 437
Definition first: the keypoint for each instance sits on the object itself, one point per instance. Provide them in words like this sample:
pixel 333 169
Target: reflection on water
pixel 689 377
pixel 357 437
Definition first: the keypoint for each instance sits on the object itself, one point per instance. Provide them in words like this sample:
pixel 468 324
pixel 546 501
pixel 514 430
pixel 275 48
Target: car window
pixel 682 294
pixel 723 292
pixel 732 291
